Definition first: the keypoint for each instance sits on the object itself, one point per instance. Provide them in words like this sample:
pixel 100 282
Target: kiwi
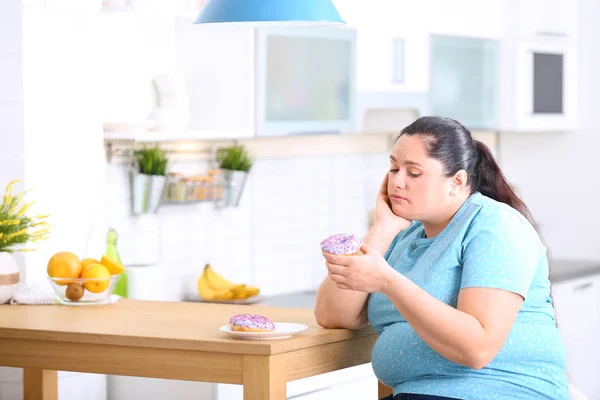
pixel 74 291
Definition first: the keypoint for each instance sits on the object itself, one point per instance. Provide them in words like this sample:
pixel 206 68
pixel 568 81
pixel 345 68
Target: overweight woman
pixel 453 277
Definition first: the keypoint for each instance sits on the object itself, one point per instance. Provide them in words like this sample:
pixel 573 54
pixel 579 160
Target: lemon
pixel 88 261
pixel 64 264
pixel 113 266
pixel 97 271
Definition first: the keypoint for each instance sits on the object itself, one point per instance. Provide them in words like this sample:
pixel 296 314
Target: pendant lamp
pixel 269 13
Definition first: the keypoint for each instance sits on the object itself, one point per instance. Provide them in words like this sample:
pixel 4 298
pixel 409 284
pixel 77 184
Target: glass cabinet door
pixel 464 79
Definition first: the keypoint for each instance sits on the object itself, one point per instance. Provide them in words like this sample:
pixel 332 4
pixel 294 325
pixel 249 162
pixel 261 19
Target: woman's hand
pixel 383 211
pixel 368 272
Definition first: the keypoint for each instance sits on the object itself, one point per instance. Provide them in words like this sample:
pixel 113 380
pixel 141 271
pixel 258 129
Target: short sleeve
pixel 502 254
pixel 401 235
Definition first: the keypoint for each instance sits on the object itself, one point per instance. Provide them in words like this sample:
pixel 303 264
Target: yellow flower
pixel 10 222
pixel 8 192
pixel 15 234
pixel 24 209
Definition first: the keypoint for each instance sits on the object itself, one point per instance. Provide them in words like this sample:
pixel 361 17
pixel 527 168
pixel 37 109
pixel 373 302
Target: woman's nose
pixel 399 180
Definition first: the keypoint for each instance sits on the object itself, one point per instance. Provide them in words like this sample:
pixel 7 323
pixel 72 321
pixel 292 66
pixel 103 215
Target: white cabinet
pixel 539 89
pixel 576 301
pixel 464 80
pixel 469 18
pixel 65 5
pixel 392 44
pixel 269 81
pixel 534 19
pixel 539 67
pixel 219 69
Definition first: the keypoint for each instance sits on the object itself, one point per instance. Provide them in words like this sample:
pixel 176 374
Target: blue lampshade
pixel 270 13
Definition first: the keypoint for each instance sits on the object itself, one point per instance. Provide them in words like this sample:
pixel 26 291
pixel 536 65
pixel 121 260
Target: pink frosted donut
pixel 251 323
pixel 341 243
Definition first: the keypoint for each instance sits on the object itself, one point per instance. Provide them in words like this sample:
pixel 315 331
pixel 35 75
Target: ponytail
pixel 489 180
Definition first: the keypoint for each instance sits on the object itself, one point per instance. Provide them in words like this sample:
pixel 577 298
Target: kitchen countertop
pixel 560 271
pixel 564 270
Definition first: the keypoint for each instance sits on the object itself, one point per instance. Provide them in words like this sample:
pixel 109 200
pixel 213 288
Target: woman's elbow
pixel 325 319
pixel 331 321
pixel 479 358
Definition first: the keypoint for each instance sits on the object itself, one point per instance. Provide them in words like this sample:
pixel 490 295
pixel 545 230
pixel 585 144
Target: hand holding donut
pixel 353 265
pixel 383 210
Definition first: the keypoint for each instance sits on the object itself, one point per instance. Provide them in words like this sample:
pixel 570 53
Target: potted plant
pixel 19 232
pixel 235 162
pixel 148 180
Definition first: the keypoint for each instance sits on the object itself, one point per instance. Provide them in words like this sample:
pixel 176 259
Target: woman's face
pixel 417 186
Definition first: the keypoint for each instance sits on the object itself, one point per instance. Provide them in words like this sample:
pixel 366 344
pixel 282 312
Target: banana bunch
pixel 212 286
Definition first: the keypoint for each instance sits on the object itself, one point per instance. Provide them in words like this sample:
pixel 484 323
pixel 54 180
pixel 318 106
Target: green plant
pixel 151 161
pixel 17 228
pixel 234 158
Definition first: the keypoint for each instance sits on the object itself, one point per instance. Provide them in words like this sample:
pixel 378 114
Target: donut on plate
pixel 251 323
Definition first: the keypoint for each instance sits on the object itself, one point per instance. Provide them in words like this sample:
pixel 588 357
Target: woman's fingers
pixel 384 185
pixel 335 269
pixel 339 279
pixel 338 259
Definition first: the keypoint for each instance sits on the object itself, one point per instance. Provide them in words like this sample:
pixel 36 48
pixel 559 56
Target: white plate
pixel 282 330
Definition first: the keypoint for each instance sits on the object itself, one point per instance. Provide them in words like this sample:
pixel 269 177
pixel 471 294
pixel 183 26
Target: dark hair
pixel 451 143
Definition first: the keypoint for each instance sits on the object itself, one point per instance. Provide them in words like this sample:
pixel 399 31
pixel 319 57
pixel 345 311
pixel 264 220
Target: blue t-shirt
pixel 486 244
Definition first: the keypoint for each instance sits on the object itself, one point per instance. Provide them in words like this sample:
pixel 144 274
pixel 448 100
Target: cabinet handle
pixel 583 286
pixel 551 34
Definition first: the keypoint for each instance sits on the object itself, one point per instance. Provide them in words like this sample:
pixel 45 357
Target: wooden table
pixel 172 341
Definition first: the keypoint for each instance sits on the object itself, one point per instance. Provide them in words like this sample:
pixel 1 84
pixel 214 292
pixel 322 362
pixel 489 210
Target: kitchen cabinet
pixel 392 44
pixel 534 19
pixel 468 18
pixel 539 85
pixel 538 67
pixel 464 80
pixel 219 69
pixel 65 5
pixel 579 325
pixel 268 81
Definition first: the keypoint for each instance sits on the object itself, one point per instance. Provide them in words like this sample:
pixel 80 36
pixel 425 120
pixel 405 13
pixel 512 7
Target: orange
pixel 87 261
pixel 96 271
pixel 113 266
pixel 64 264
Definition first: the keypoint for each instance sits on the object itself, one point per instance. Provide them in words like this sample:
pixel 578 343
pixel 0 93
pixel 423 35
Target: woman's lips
pixel 397 198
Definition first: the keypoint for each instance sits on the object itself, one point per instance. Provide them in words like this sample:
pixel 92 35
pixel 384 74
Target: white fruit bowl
pixel 106 286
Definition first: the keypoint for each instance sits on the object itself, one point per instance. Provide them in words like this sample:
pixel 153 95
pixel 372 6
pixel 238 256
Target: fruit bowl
pixel 84 291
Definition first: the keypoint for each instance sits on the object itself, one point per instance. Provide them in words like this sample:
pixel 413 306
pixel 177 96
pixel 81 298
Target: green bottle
pixel 111 250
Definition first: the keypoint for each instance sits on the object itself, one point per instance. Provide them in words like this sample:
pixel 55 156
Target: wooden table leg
pixel 383 391
pixel 264 377
pixel 40 384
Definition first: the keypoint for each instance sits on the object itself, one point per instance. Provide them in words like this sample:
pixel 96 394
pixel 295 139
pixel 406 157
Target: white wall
pixel 557 173
pixel 271 240
pixel 12 137
pixel 12 140
pixel 48 78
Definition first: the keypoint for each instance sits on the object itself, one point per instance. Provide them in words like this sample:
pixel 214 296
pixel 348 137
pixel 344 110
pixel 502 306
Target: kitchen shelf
pixel 119 147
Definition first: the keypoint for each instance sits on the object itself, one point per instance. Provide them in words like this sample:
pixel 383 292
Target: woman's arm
pixel 340 308
pixel 471 334
pixel 497 271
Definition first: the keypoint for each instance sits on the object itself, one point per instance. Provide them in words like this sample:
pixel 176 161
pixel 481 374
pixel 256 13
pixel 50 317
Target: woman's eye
pixel 393 170
pixel 413 175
